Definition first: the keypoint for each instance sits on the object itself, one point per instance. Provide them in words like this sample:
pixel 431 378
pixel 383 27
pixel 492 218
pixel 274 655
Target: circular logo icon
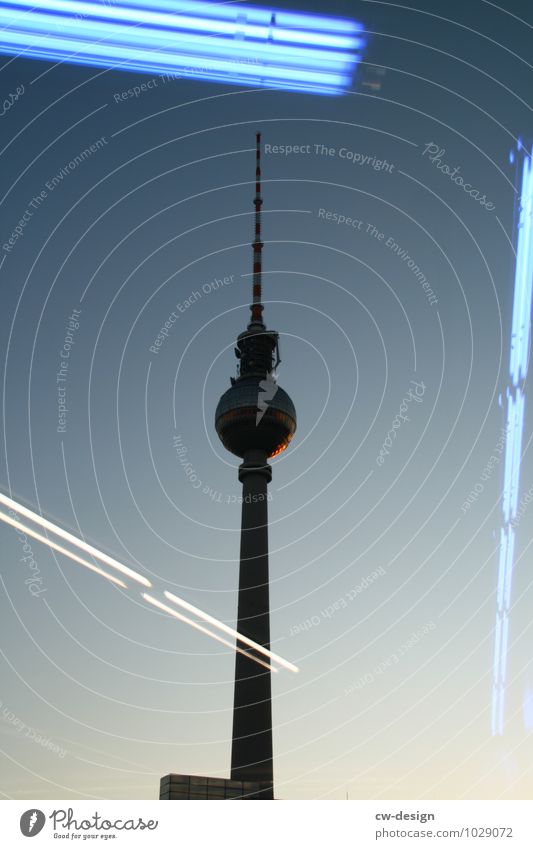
pixel 32 822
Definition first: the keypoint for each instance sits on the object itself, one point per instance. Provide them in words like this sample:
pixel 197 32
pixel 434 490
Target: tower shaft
pixel 255 420
pixel 251 757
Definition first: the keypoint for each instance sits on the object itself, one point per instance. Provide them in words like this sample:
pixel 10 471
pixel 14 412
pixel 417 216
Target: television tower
pixel 255 420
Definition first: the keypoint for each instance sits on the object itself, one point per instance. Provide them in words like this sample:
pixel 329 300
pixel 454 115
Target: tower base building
pixel 201 787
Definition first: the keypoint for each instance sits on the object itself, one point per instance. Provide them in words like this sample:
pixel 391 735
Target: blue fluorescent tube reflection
pixel 235 44
pixel 515 414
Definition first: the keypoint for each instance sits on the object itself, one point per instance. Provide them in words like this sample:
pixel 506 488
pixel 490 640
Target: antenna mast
pixel 257 306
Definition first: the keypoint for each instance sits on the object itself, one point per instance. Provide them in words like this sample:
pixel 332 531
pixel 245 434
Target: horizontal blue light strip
pixel 160 62
pixel 157 68
pixel 209 11
pixel 226 49
pixel 238 23
pixel 164 40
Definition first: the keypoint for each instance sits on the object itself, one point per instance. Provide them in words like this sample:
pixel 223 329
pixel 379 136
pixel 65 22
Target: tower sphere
pixel 238 411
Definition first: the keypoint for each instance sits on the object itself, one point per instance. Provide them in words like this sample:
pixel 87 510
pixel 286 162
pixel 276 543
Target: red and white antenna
pixel 257 306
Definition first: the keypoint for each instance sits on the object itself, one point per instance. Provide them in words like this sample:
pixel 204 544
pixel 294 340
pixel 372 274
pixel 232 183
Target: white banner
pixel 307 824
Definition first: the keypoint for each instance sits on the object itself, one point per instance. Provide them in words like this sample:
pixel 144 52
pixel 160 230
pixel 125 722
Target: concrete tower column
pixel 251 758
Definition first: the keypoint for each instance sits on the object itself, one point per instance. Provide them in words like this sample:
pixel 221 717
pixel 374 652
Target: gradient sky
pixel 125 694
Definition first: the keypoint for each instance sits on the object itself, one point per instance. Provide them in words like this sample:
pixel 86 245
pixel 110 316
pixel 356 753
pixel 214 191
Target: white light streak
pixel 166 609
pixel 231 631
pixel 89 549
pixel 20 527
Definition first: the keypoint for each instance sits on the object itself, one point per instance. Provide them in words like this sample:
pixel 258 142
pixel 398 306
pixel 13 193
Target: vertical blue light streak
pixel 515 413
